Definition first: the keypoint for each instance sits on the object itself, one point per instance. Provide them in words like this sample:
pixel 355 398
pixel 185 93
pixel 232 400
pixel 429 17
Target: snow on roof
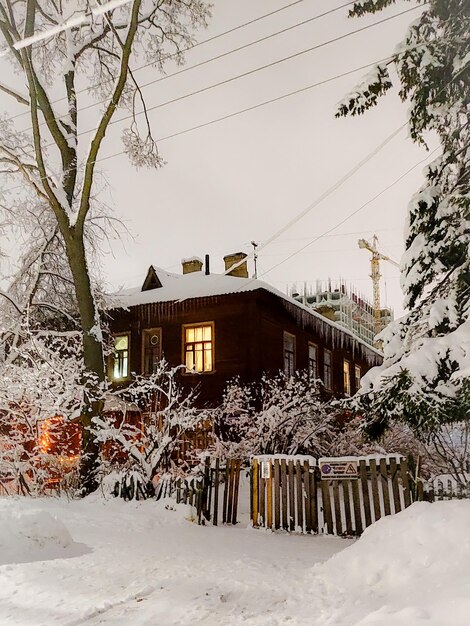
pixel 180 287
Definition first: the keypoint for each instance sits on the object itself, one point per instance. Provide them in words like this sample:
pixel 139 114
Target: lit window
pixel 289 354
pixel 199 348
pixel 357 376
pixel 313 360
pixel 346 378
pixel 151 350
pixel 121 356
pixel 328 370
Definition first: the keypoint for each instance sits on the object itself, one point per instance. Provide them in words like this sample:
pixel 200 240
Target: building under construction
pixel 344 305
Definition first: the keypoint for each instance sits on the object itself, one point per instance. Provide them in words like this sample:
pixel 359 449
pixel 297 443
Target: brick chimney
pixel 242 270
pixel 194 264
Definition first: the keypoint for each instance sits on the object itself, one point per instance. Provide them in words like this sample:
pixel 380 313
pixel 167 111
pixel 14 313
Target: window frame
pixel 294 353
pixel 347 387
pixel 328 384
pixel 184 327
pixel 113 356
pixel 311 344
pixel 148 331
pixel 357 379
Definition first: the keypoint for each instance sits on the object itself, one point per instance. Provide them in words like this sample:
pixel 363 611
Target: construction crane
pixel 376 257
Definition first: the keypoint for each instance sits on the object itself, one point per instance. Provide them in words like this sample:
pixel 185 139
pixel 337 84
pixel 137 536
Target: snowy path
pixel 147 565
pixel 135 564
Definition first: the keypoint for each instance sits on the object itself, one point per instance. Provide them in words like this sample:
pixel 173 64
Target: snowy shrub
pixel 145 449
pixel 278 415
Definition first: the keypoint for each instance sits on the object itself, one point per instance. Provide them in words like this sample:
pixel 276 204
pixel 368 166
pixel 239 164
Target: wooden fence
pixel 289 492
pixel 214 494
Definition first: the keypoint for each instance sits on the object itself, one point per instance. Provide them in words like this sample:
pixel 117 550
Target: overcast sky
pixel 244 178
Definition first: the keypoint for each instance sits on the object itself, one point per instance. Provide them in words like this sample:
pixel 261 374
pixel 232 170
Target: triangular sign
pixel 350 469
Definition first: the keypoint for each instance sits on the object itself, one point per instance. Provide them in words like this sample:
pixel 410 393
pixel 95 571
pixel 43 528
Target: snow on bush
pixel 29 532
pixel 405 569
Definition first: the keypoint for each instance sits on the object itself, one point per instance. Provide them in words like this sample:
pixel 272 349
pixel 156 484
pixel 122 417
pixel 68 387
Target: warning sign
pixel 338 470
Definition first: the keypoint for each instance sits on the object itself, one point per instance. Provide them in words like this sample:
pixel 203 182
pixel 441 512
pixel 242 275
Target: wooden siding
pixel 248 329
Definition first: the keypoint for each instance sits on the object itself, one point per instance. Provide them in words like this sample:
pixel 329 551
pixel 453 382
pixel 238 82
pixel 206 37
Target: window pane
pixel 189 335
pixel 198 333
pixel 198 355
pixel 208 360
pixel 121 342
pixel 189 360
pixel 207 333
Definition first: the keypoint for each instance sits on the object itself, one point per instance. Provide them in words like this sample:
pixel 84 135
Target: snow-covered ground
pixel 110 562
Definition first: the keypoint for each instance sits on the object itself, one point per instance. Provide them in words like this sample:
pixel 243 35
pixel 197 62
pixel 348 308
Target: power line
pixel 178 53
pixel 249 72
pixel 238 76
pixel 223 55
pixel 353 213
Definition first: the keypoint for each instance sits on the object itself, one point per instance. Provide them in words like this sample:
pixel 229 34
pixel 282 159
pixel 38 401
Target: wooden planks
pixel 293 498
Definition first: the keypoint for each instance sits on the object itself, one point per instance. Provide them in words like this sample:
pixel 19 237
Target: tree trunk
pixel 94 370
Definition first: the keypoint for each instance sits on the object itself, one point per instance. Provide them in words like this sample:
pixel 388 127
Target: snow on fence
pixel 214 494
pixel 447 487
pixel 340 496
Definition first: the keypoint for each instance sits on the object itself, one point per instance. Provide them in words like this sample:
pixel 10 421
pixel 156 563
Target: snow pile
pixel 409 568
pixel 30 533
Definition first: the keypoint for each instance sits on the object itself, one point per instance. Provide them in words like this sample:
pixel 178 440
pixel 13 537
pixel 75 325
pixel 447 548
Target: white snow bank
pixel 409 568
pixel 30 533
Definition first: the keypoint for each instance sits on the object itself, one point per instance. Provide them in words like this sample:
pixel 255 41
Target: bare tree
pixel 74 49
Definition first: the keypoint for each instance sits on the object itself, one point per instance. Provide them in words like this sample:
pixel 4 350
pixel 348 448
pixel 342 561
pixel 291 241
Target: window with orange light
pixel 199 347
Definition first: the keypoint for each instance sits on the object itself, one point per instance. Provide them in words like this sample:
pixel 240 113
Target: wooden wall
pixel 248 330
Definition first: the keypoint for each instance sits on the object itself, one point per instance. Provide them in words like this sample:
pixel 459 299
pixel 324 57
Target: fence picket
pixel 269 497
pixel 357 506
pixel 300 513
pixel 277 495
pixel 395 486
pixel 215 517
pixel 385 486
pixel 255 492
pixel 236 482
pixel 365 492
pixel 405 482
pixel 291 495
pixel 306 496
pixel 326 502
pixel 339 527
pixel 375 489
pixel 347 506
pixel 313 500
pixel 284 494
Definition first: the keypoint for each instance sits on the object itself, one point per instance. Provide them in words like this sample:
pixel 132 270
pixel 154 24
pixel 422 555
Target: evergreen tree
pixel 425 377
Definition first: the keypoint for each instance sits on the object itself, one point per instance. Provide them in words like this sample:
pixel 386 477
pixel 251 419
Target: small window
pixel 328 370
pixel 346 378
pixel 121 357
pixel 357 377
pixel 313 360
pixel 151 350
pixel 289 354
pixel 199 348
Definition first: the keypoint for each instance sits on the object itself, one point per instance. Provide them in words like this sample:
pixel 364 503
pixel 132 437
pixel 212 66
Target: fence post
pixel 254 492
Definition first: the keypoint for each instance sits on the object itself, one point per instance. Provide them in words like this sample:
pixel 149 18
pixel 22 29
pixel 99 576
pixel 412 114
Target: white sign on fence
pixel 265 469
pixel 338 470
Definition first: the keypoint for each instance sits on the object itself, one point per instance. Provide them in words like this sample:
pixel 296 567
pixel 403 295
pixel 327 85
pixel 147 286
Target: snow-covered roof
pixel 181 287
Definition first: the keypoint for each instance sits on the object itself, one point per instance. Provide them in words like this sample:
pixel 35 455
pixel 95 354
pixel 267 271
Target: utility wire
pixel 216 58
pixel 179 52
pixel 353 213
pixel 249 72
pixel 240 111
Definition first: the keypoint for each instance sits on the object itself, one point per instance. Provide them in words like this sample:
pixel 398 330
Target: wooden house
pixel 222 326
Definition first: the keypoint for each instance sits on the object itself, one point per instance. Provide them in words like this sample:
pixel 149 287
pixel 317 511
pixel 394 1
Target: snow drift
pixel 30 533
pixel 409 568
